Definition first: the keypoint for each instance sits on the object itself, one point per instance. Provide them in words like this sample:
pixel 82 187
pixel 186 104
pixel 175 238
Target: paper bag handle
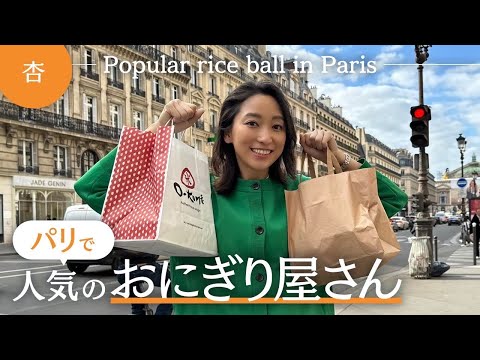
pixel 332 163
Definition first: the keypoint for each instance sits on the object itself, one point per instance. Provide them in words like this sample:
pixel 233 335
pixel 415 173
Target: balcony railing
pixel 138 92
pixel 59 121
pixel 115 83
pixel 158 99
pixel 89 74
pixel 387 170
pixel 347 147
pixel 62 172
pixel 28 169
pixel 200 125
pixel 301 123
pixel 213 94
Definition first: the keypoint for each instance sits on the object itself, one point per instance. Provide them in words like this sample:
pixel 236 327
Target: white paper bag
pixel 159 196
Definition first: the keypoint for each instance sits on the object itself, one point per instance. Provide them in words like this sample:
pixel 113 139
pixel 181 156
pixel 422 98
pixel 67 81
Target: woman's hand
pixel 315 144
pixel 184 115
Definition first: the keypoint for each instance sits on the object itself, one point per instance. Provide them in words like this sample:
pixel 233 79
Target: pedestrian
pixel 475 220
pixel 140 260
pixel 411 225
pixel 253 164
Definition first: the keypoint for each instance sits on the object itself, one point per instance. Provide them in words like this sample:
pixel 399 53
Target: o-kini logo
pixel 187 179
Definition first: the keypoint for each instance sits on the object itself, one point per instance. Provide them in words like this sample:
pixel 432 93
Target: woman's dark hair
pixel 224 161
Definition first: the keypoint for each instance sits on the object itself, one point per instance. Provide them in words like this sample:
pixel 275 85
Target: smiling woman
pixel 253 165
pixel 256 136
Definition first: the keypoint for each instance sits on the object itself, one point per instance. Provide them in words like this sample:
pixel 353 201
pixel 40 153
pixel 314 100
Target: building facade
pixel 379 155
pixel 44 151
pixel 449 195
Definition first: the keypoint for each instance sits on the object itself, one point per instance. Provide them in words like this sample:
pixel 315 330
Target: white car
pixel 116 257
pixel 401 221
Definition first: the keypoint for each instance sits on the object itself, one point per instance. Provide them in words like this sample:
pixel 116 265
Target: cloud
pixel 381 102
pixel 336 50
pixel 391 48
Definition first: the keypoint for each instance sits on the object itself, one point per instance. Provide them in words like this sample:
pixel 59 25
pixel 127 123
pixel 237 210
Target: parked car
pixel 454 219
pixel 441 218
pixel 401 222
pixel 115 258
pixel 394 225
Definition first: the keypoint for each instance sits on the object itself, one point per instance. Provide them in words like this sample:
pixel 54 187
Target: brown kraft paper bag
pixel 339 216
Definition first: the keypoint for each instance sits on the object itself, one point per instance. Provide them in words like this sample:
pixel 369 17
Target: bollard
pixel 419 258
pixel 475 243
pixel 435 241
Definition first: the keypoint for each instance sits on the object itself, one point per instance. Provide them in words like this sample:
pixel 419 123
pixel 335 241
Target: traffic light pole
pixel 424 221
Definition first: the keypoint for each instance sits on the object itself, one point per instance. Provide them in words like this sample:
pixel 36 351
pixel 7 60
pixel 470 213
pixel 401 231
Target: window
pixel 115 116
pixel 61 105
pixel 174 52
pixel 27 157
pixel 213 121
pixel 114 74
pixel 137 83
pixel 229 89
pixel 156 87
pixel 199 145
pixel 60 160
pixel 210 52
pixel 292 85
pixel 301 115
pixel 213 85
pixel 402 172
pixel 90 108
pixel 194 76
pixel 138 119
pixel 88 58
pixel 174 92
pixel 89 158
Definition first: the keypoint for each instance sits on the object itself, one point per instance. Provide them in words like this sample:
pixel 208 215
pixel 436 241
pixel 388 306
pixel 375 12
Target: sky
pixel 380 101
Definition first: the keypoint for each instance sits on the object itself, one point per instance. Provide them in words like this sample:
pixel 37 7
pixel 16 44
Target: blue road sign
pixel 462 182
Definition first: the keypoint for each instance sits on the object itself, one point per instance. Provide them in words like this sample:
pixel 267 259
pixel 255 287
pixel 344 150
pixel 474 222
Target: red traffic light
pixel 421 116
pixel 418 113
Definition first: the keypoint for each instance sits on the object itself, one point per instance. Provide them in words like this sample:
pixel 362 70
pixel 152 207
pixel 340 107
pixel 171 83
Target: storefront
pixel 38 198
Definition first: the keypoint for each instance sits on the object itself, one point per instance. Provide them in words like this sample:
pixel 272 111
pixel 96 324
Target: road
pixel 14 269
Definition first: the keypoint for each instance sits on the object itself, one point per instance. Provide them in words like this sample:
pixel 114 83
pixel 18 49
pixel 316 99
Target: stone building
pixel 44 151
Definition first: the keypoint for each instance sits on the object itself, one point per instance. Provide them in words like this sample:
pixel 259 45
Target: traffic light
pixel 421 115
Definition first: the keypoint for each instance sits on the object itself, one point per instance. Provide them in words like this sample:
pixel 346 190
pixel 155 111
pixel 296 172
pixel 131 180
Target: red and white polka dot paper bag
pixel 159 197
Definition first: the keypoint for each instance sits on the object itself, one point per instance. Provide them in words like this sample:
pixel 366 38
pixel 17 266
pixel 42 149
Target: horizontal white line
pixel 32 268
pixel 432 64
pixel 17 275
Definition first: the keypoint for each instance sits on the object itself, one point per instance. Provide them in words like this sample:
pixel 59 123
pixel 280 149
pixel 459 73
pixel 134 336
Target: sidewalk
pixel 455 292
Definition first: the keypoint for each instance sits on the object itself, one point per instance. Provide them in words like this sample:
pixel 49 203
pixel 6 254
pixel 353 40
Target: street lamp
pixel 462 144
